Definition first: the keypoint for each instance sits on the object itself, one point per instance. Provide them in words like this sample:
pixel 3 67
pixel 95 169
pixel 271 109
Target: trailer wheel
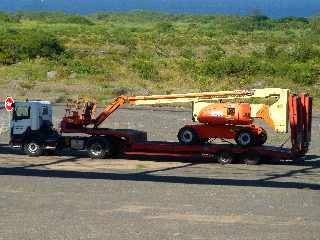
pixel 245 138
pixel 224 158
pixel 251 159
pixel 188 136
pixel 33 148
pixel 99 148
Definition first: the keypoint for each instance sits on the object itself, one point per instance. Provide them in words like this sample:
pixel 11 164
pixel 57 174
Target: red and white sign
pixel 9 104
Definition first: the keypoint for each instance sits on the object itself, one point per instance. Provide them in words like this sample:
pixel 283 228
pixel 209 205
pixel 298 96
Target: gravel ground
pixel 73 197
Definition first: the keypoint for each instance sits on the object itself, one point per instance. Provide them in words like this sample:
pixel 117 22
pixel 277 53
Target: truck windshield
pixel 21 112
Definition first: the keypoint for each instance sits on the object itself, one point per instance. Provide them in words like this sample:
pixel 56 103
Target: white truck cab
pixel 31 127
pixel 31 116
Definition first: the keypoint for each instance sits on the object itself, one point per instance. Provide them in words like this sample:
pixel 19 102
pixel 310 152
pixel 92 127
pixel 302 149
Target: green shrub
pixel 250 23
pixel 146 68
pixel 84 66
pixel 187 53
pixel 315 24
pixel 291 19
pixel 7 57
pixel 73 19
pixel 271 52
pixel 122 36
pixel 215 53
pixel 304 52
pixel 164 26
pixel 17 45
pixel 135 17
pixel 231 65
pixel 302 74
pixel 54 17
pixel 8 18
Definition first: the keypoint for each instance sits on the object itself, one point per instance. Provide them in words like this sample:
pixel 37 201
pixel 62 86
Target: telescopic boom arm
pixel 162 99
pixel 118 102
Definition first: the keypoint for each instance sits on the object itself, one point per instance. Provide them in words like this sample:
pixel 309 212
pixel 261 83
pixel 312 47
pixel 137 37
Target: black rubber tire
pixel 188 136
pixel 261 138
pixel 99 148
pixel 251 159
pixel 33 148
pixel 245 138
pixel 225 158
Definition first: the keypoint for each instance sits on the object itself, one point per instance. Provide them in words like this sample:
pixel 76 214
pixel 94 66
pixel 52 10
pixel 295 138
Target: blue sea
pixel 272 8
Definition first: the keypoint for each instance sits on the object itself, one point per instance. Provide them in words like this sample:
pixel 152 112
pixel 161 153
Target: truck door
pixel 21 118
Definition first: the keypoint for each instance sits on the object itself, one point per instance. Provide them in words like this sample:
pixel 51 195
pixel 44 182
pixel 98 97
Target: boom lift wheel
pixel 224 158
pixel 245 138
pixel 188 136
pixel 99 148
pixel 33 148
pixel 261 138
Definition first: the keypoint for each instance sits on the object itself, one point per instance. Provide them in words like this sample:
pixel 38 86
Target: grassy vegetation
pixel 140 52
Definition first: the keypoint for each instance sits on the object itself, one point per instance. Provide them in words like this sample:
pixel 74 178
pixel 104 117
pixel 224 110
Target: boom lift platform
pixel 218 114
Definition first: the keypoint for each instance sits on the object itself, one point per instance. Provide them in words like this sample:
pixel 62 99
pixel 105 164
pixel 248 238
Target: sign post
pixel 9 104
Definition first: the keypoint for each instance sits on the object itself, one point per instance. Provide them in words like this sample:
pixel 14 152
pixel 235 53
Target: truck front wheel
pixel 33 149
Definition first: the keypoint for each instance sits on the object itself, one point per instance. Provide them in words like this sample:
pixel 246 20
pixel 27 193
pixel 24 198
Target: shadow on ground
pixel 311 162
pixel 148 177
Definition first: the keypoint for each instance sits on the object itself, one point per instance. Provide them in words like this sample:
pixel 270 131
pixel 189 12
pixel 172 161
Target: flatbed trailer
pixel 135 142
pixel 222 153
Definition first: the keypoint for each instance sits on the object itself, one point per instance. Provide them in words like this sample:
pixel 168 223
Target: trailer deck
pixel 211 150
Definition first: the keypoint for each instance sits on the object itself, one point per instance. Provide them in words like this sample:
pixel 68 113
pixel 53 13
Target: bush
pixel 135 17
pixel 302 74
pixel 146 68
pixel 122 36
pixel 304 52
pixel 165 27
pixel 8 18
pixel 291 19
pixel 215 53
pixel 271 52
pixel 315 24
pixel 73 19
pixel 88 65
pixel 232 65
pixel 54 17
pixel 17 45
pixel 250 23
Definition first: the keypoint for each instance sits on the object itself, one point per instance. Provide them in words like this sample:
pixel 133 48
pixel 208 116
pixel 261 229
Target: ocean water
pixel 272 8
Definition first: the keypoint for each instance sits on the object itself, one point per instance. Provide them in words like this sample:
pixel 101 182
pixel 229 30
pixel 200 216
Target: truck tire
pixel 225 158
pixel 245 138
pixel 251 159
pixel 33 148
pixel 99 148
pixel 188 136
